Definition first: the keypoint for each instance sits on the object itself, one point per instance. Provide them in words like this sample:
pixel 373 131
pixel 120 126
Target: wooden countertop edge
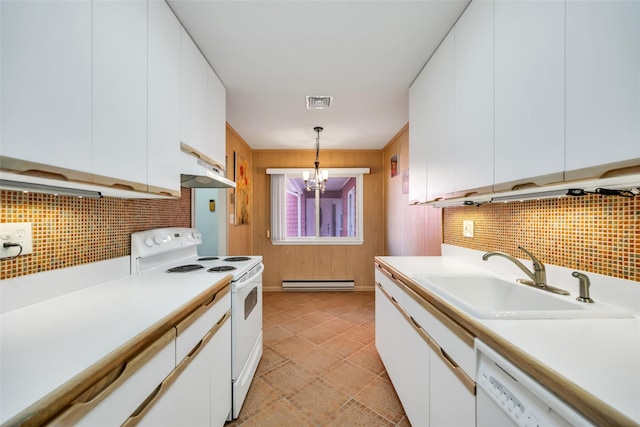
pixel 584 402
pixel 59 399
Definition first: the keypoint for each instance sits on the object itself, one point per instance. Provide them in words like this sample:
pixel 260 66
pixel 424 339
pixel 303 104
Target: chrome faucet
pixel 538 278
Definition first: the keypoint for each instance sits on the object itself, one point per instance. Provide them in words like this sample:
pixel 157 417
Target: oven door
pixel 246 320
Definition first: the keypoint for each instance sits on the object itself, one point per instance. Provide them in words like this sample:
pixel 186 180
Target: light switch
pixel 467 228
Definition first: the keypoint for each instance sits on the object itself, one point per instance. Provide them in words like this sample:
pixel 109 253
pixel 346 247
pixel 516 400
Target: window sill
pixel 319 242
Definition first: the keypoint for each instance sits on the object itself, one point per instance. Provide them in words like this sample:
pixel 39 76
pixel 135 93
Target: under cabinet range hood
pixel 196 173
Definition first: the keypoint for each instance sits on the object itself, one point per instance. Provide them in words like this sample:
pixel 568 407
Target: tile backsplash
pixel 591 233
pixel 69 231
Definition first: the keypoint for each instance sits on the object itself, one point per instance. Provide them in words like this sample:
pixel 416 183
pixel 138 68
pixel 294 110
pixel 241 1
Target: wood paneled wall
pixel 410 230
pixel 284 262
pixel 239 236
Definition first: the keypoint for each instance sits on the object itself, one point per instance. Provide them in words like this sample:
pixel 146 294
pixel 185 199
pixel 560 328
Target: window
pixel 306 217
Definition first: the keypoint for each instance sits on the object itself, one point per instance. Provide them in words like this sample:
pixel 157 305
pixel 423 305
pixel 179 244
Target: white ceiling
pixel 270 54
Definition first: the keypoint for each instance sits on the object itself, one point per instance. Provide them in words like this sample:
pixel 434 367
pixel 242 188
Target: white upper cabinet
pixel 603 84
pixel 474 99
pixel 417 140
pixel 46 82
pixel 120 91
pixel 163 98
pixel 193 94
pixel 529 91
pixel 203 105
pixel 440 120
pixel 216 116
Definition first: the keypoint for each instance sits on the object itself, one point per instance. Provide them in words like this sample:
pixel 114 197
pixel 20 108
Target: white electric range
pixel 174 251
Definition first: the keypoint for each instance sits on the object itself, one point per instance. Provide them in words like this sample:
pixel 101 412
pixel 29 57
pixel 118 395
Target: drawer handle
pixel 211 300
pixel 137 415
pixel 415 323
pixel 215 296
pixel 455 368
pixel 195 349
pixel 448 358
pixel 103 384
pixel 420 330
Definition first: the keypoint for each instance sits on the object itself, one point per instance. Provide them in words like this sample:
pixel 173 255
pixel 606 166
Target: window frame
pixel 278 207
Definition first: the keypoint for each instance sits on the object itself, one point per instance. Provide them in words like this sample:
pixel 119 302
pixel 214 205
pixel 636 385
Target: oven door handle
pixel 242 282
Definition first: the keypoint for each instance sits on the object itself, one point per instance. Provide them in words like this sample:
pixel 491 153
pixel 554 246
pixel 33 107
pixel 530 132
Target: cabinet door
pixel 185 401
pixel 452 404
pixel 163 98
pixel 193 94
pixel 46 82
pixel 216 118
pixel 603 83
pixel 440 116
pixel 474 99
pixel 384 330
pixel 529 92
pixel 405 355
pixel 220 360
pixel 418 140
pixel 120 91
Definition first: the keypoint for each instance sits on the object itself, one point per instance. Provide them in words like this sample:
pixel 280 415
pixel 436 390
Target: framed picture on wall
pixel 394 165
pixel 243 189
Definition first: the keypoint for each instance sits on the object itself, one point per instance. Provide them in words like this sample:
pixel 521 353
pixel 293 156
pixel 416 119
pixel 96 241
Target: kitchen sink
pixel 489 297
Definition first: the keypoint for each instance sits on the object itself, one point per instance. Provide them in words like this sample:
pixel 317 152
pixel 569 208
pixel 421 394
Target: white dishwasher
pixel 506 396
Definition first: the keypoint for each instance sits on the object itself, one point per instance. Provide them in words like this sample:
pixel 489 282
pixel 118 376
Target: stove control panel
pixel 150 243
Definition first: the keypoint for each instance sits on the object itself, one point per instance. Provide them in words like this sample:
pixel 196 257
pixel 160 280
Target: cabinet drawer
pixel 390 286
pixel 112 399
pixel 456 341
pixel 197 324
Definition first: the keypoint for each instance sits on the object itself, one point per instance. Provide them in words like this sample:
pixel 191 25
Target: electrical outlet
pixel 467 228
pixel 16 232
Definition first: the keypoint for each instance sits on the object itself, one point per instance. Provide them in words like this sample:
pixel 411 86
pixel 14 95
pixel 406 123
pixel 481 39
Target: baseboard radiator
pixel 317 285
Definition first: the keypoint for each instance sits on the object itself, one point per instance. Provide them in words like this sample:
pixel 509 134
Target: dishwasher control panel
pixel 514 394
pixel 524 415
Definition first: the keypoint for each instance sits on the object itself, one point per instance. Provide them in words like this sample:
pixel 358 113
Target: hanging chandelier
pixel 319 179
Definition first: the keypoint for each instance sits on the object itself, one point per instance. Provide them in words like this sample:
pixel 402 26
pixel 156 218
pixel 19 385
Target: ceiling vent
pixel 318 102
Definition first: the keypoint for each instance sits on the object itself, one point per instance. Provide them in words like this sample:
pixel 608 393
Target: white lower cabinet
pixel 198 391
pixel 182 378
pixel 432 386
pixel 220 375
pixel 452 403
pixel 406 358
pixel 117 395
pixel 184 398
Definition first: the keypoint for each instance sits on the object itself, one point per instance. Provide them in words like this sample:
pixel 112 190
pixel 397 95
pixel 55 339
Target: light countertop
pixel 44 345
pixel 601 357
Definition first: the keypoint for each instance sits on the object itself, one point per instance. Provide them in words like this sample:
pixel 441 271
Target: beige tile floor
pixel 320 366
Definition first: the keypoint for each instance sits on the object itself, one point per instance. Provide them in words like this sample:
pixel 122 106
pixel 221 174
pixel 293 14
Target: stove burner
pixel 208 258
pixel 185 268
pixel 237 258
pixel 221 268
